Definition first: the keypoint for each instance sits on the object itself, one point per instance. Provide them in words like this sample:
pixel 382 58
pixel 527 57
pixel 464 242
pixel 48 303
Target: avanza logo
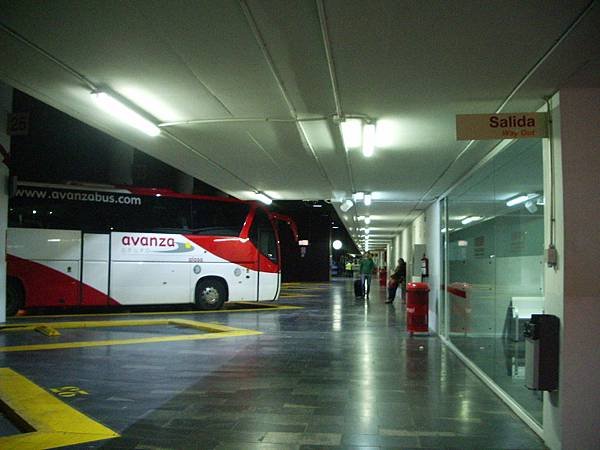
pixel 145 241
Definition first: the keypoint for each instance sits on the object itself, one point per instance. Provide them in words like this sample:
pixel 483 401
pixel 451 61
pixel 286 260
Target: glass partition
pixel 494 247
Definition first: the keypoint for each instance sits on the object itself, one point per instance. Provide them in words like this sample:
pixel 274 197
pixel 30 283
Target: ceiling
pixel 247 91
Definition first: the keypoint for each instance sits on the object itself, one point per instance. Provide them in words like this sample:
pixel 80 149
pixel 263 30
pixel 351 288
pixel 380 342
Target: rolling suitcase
pixel 358 288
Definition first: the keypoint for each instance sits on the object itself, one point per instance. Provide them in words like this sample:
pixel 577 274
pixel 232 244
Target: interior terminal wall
pixel 574 409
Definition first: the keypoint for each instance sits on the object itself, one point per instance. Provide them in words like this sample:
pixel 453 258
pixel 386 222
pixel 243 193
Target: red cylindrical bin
pixel 383 277
pixel 417 307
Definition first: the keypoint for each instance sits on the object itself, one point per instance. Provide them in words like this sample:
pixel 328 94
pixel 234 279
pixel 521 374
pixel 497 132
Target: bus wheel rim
pixel 210 295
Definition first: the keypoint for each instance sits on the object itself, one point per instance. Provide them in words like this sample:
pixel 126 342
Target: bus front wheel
pixel 14 297
pixel 210 294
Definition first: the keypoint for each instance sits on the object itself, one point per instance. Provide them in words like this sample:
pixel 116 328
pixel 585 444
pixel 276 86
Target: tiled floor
pixel 339 373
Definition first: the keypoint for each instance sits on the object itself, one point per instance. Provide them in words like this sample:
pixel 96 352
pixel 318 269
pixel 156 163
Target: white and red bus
pixel 79 245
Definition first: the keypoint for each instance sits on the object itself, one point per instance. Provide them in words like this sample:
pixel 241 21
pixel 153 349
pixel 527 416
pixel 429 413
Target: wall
pixel 406 249
pixel 432 240
pixel 5 108
pixel 572 289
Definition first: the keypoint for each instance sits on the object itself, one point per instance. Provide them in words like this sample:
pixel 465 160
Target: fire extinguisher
pixel 424 267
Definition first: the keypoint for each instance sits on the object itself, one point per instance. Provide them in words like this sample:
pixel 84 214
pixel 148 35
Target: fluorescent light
pixel 346 205
pixel 367 199
pixel 351 130
pixel 368 140
pixel 517 200
pixel 367 220
pixel 521 198
pixel 122 112
pixel 470 219
pixel 263 198
pixel 358 196
pixel 361 218
pixel 367 231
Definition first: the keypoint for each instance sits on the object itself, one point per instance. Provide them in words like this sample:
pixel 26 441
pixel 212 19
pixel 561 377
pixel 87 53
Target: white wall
pixel 5 108
pixel 432 240
pixel 572 290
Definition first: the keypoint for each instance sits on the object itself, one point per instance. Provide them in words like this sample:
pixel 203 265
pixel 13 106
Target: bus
pixel 79 245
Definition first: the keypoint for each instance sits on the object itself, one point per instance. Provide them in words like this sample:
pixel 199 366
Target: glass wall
pixel 494 236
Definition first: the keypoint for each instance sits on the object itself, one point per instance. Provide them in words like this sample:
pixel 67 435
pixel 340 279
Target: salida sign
pixel 501 126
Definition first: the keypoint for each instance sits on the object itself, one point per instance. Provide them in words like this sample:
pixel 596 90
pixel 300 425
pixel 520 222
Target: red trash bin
pixel 417 307
pixel 383 277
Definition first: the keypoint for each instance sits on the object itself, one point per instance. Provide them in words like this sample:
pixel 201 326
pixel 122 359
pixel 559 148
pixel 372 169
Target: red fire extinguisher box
pixel 417 307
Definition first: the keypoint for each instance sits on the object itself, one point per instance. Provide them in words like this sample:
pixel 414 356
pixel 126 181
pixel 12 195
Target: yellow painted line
pixel 297 295
pixel 150 340
pixel 56 424
pixel 158 313
pixel 47 331
pixel 210 327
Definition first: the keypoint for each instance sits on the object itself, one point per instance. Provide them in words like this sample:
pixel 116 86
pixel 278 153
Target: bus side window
pixel 153 215
pixel 218 218
pixel 263 235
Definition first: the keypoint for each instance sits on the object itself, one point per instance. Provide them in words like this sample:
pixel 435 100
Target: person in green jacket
pixel 367 267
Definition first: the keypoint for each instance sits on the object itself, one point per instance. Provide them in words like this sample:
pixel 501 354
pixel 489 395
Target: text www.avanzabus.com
pixel 98 197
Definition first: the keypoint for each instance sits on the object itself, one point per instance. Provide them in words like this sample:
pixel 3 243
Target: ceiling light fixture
pixel 469 219
pixel 358 196
pixel 351 130
pixel 346 205
pixel 521 198
pixel 368 199
pixel 368 140
pixel 118 109
pixel 263 198
pixel 368 220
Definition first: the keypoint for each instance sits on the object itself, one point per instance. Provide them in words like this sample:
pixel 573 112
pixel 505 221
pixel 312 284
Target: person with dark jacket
pixel 397 278
pixel 367 267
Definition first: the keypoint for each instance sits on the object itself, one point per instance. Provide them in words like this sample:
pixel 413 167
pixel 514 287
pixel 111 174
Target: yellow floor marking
pixel 150 340
pixel 214 331
pixel 297 295
pixel 210 327
pixel 56 424
pixel 164 313
pixel 47 331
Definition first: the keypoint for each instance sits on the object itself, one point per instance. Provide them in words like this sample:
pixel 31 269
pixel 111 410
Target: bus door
pixel 94 274
pixel 262 234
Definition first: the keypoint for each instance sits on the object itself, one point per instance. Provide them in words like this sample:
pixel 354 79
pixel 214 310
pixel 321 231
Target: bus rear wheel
pixel 210 294
pixel 14 297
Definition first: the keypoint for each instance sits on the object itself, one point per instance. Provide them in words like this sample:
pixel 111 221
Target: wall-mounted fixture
pixel 126 114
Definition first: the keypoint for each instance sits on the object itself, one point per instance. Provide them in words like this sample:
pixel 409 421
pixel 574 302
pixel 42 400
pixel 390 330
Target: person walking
pixel 366 269
pixel 397 278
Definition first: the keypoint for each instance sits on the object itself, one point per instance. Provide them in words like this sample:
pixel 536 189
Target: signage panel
pixel 501 126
